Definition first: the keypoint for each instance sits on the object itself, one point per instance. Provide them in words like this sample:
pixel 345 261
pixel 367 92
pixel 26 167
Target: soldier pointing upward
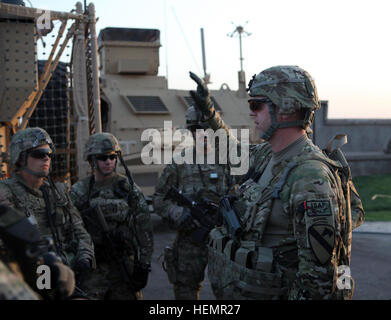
pixel 295 215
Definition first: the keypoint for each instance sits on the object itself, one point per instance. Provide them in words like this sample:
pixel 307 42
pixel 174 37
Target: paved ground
pixel 158 287
pixel 370 265
pixel 375 227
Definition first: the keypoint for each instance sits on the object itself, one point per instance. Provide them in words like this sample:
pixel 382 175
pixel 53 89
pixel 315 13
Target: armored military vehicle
pixel 134 97
pixel 61 97
pixel 111 83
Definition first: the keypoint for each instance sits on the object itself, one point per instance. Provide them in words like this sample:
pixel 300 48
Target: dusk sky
pixel 345 45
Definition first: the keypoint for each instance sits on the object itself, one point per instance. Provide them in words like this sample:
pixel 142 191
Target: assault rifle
pixel 112 249
pixel 200 212
pixel 230 218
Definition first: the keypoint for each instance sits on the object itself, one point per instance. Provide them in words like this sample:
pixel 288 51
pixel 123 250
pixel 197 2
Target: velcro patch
pixel 317 208
pixel 321 239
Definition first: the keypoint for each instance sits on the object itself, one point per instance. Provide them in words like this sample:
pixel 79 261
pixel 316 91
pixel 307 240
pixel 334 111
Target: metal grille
pixel 147 104
pixel 46 101
pixel 53 114
pixel 190 102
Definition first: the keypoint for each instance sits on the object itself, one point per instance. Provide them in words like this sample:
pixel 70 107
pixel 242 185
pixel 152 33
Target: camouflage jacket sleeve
pixel 358 214
pixel 216 122
pixel 13 288
pixel 5 199
pixel 313 205
pixel 85 248
pixel 168 178
pixel 5 195
pixel 77 196
pixel 249 153
pixel 143 227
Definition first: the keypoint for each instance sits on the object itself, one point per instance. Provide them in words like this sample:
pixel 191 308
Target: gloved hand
pixel 140 275
pixel 81 268
pixel 62 277
pixel 181 218
pixel 201 97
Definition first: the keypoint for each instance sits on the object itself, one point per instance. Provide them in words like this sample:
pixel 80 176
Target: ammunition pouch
pixel 234 274
pixel 169 264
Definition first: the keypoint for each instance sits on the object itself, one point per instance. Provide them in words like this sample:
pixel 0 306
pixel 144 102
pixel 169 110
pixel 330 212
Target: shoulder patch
pixel 321 240
pixel 319 207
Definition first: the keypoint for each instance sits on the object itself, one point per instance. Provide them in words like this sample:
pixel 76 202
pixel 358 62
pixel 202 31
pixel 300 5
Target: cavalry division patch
pixel 317 208
pixel 321 239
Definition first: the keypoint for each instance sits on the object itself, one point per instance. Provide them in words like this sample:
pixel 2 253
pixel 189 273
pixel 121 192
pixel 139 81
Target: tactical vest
pixel 113 201
pixel 243 269
pixel 203 180
pixel 34 206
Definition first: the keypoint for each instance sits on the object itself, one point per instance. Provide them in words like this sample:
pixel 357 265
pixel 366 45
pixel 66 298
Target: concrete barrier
pixel 368 149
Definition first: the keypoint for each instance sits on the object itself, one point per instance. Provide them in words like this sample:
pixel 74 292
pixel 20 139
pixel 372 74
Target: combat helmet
pixel 24 140
pixel 100 143
pixel 193 117
pixel 291 89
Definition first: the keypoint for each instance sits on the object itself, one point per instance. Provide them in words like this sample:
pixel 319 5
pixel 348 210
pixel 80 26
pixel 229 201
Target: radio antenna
pixel 239 31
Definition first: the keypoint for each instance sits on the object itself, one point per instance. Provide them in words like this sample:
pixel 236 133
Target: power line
pixel 184 37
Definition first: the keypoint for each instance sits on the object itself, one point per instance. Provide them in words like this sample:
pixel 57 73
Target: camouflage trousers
pixel 106 283
pixel 185 266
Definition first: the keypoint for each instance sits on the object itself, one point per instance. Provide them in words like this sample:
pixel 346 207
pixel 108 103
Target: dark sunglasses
pixel 104 157
pixel 256 104
pixel 41 153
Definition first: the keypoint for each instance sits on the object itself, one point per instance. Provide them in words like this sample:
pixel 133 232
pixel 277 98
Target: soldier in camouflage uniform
pixel 12 287
pixel 185 262
pixel 46 204
pixel 124 249
pixel 295 207
pixel 26 251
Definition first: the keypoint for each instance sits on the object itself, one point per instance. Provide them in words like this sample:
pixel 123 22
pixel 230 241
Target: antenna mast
pixel 206 75
pixel 240 31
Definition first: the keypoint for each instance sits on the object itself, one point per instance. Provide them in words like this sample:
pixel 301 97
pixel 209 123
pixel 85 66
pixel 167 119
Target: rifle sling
pixel 49 216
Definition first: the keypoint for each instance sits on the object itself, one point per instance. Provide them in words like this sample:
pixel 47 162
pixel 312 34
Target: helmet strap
pixel 308 118
pixel 23 159
pixel 39 174
pixel 274 124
